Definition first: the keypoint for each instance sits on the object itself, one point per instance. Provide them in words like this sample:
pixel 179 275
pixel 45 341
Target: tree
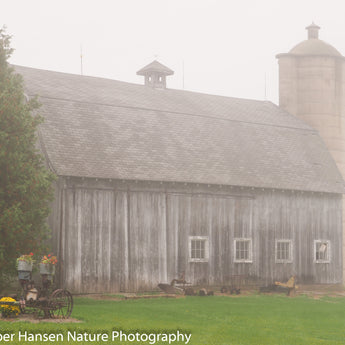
pixel 25 183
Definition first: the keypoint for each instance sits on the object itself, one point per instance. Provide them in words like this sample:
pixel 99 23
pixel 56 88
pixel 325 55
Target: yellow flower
pixel 9 310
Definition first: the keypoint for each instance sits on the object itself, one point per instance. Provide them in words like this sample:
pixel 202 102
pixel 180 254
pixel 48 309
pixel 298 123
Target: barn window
pixel 198 248
pixel 322 251
pixel 243 250
pixel 283 251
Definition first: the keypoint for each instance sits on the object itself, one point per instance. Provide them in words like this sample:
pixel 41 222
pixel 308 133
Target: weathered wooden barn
pixel 154 182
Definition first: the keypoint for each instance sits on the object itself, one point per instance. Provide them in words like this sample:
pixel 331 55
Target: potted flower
pixel 24 266
pixel 9 310
pixel 47 264
pixel 25 262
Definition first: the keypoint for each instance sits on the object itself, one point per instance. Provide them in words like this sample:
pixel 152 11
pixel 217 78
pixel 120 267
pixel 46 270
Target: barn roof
pixel 104 128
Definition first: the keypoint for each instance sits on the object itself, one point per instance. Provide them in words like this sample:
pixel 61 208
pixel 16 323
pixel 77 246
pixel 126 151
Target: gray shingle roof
pixel 104 128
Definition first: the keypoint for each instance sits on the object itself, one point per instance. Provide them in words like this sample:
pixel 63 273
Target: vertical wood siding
pixel 130 237
pixel 147 245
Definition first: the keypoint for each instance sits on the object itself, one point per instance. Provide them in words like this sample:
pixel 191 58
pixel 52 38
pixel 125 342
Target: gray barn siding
pixel 125 236
pixel 94 251
pixel 147 240
pixel 302 218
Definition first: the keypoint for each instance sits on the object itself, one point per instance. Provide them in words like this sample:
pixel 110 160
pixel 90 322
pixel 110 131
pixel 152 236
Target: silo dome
pixel 313 45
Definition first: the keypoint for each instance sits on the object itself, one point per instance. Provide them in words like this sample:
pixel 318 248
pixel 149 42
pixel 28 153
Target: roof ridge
pixel 142 86
pixel 306 128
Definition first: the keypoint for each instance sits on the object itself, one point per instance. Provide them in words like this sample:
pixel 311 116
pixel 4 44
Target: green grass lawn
pixel 255 319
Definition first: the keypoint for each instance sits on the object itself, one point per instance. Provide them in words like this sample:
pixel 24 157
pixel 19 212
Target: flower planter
pixel 24 266
pixel 24 270
pixel 47 269
pixel 24 275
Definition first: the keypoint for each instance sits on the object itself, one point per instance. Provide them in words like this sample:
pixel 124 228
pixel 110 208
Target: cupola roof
pixel 155 67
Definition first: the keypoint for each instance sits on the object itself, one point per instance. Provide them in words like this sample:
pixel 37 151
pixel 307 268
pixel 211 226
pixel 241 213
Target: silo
pixel 312 87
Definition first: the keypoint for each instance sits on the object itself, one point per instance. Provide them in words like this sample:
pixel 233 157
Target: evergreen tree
pixel 25 183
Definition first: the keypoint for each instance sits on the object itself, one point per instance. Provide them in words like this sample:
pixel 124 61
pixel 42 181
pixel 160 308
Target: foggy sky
pixel 226 47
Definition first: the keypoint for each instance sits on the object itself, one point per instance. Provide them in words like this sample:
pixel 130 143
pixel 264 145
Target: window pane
pixel 242 250
pixel 321 249
pixel 283 250
pixel 198 249
pixel 202 252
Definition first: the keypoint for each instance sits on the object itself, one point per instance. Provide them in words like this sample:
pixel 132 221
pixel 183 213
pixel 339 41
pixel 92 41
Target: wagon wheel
pixel 60 304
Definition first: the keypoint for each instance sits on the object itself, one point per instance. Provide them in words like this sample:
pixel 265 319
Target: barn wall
pixel 126 236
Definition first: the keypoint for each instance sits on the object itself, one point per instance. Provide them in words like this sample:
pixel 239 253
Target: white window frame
pixel 283 261
pixel 198 238
pixel 328 258
pixel 250 250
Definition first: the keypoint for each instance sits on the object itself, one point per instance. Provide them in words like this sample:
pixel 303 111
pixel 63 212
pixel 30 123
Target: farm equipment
pixel 176 286
pixel 42 300
pixel 236 282
pixel 289 287
pixel 181 286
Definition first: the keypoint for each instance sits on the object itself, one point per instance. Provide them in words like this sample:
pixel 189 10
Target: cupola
pixel 155 74
pixel 313 31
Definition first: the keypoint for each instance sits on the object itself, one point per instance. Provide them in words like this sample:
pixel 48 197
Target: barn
pixel 153 182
